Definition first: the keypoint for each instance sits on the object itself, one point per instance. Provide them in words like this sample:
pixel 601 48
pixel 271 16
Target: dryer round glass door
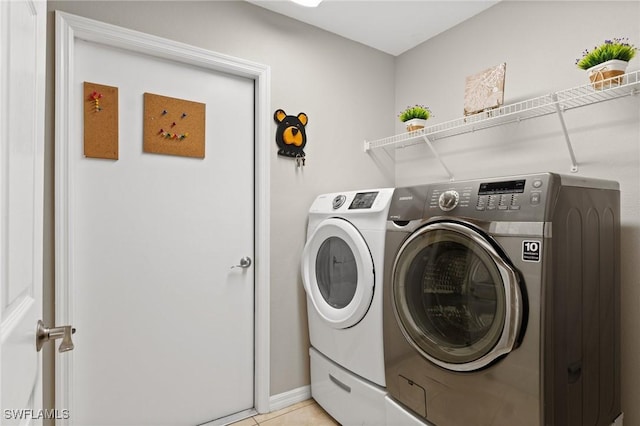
pixel 456 299
pixel 337 273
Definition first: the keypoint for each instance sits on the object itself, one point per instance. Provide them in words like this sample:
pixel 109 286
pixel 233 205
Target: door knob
pixel 44 334
pixel 245 262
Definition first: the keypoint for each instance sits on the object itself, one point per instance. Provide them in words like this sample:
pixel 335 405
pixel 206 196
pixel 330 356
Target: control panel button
pixel 481 204
pixel 535 198
pixel 448 200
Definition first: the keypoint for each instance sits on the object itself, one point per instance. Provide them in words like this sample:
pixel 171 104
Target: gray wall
pixel 539 41
pixel 345 88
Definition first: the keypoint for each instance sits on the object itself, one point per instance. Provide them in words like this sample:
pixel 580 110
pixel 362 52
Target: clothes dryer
pixel 342 266
pixel 502 301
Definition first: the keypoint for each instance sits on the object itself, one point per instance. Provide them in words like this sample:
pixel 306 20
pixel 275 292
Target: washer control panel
pixel 501 195
pixel 448 200
pixel 519 198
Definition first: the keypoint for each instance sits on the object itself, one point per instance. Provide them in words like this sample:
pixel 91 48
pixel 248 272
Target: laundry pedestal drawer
pixel 346 397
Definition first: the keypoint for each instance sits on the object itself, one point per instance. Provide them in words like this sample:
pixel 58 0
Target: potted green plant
pixel 607 61
pixel 415 117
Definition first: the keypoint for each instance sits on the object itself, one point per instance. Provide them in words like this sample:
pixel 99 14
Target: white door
pixel 22 56
pixel 148 244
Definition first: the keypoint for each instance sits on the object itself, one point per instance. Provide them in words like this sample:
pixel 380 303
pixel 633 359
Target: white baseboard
pixel 285 399
pixel 619 420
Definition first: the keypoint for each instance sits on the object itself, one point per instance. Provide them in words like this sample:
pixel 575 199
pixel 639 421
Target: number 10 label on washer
pixel 531 251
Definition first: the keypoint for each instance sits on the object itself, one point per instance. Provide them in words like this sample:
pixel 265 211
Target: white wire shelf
pixel 554 103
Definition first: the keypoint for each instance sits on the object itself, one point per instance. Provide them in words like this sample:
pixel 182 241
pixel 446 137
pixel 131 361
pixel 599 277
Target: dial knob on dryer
pixel 338 201
pixel 448 200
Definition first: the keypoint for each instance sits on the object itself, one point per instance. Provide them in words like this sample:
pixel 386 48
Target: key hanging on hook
pixel 300 160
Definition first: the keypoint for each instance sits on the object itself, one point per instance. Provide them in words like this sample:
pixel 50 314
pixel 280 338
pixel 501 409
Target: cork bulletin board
pixel 173 126
pixel 100 121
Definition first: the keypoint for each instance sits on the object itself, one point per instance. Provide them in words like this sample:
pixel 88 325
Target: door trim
pixel 69 28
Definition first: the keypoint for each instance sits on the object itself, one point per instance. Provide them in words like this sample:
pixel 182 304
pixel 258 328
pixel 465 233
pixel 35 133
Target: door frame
pixel 71 27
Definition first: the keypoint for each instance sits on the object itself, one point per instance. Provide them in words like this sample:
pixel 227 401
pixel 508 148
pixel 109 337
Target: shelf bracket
pixel 574 164
pixel 435 153
pixel 368 149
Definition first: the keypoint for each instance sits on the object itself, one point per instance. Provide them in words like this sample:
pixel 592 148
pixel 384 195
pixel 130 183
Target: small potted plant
pixel 607 61
pixel 415 117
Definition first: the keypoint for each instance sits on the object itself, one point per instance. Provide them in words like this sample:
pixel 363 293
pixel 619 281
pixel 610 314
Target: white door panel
pixel 22 44
pixel 165 326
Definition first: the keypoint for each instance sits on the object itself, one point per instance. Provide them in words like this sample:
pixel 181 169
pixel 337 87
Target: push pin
pixel 184 114
pixel 164 111
pixel 95 97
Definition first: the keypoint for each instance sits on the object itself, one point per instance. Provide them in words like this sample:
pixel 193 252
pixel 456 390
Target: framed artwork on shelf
pixel 485 90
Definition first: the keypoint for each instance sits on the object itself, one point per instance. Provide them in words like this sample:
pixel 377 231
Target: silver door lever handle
pixel 44 334
pixel 245 262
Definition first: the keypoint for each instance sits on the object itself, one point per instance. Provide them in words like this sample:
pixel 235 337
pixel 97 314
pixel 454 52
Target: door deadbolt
pixel 44 334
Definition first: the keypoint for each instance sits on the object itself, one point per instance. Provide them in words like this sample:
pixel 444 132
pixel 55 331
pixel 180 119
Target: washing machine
pixel 342 265
pixel 502 301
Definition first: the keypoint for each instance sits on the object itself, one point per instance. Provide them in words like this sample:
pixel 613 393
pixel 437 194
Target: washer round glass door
pixel 457 301
pixel 337 273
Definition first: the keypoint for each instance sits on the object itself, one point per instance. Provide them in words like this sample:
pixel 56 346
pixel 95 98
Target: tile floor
pixel 305 413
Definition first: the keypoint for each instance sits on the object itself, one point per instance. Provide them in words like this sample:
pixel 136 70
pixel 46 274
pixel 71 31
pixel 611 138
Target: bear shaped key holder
pixel 291 136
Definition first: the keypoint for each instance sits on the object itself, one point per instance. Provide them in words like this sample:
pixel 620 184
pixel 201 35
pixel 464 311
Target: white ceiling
pixel 390 26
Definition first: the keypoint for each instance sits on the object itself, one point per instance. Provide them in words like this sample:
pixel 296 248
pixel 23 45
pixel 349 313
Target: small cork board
pixel 100 121
pixel 173 126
